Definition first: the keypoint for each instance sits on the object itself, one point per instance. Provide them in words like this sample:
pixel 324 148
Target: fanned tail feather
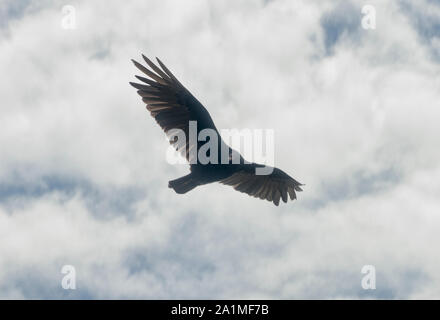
pixel 183 184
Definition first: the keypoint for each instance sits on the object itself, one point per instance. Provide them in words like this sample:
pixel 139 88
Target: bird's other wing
pixel 171 104
pixel 273 187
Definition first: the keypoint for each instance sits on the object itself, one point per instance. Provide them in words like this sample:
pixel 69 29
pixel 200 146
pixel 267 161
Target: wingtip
pixel 137 64
pixel 145 58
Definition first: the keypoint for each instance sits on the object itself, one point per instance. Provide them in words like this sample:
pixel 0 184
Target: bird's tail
pixel 184 184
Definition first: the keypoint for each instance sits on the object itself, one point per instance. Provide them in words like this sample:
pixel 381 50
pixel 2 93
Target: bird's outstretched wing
pixel 273 187
pixel 171 104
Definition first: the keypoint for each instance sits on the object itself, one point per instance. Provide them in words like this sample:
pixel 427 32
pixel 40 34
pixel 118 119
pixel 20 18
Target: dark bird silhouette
pixel 173 107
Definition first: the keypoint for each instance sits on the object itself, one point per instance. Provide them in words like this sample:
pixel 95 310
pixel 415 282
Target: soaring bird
pixel 174 107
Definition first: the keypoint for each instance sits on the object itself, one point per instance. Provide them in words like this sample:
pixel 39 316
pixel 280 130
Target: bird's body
pixel 175 108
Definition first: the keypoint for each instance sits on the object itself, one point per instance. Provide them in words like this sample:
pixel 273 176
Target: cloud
pixel 83 176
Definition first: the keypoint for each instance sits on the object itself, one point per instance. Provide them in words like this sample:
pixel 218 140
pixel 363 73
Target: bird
pixel 174 107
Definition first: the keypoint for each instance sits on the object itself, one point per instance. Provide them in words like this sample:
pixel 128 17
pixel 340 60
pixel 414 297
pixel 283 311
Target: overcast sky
pixel 355 114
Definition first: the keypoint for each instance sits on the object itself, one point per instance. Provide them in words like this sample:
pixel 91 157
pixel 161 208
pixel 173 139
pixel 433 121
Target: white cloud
pixel 83 172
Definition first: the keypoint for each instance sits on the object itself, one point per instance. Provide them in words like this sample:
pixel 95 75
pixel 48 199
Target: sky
pixel 83 170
